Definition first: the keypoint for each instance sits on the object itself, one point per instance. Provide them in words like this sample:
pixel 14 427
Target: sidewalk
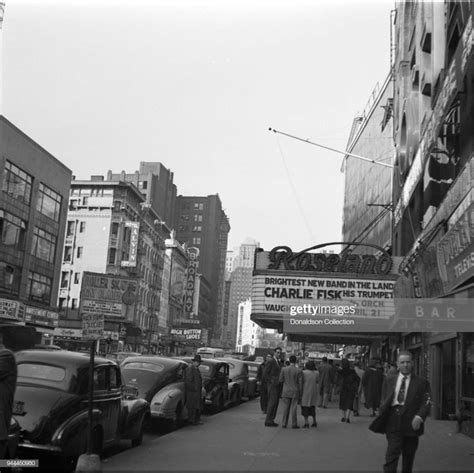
pixel 237 440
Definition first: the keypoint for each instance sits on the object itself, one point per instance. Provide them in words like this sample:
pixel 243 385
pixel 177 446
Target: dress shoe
pixel 295 427
pixel 306 426
pixel 271 424
pixel 343 419
pixel 315 424
pixel 348 421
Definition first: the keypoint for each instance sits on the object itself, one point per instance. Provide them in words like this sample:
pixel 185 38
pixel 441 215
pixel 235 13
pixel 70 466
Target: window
pixel 71 225
pixel 49 202
pixel 115 228
pixel 198 206
pixel 39 287
pixel 9 278
pixel 12 230
pixel 145 185
pixel 100 378
pixel 17 183
pixel 44 245
pixel 77 278
pixel 197 228
pixel 198 218
pixel 82 227
pixel 196 241
pixel 74 303
pixel 112 255
pixel 64 279
pixel 185 217
pixel 67 254
pixel 80 251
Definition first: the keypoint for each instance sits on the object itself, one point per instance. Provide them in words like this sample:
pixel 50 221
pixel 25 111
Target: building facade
pixel 112 230
pixel 433 187
pixel 248 332
pixel 155 181
pixel 34 190
pixel 202 223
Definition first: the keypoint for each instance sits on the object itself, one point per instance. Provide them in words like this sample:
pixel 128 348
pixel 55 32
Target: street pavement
pixel 237 440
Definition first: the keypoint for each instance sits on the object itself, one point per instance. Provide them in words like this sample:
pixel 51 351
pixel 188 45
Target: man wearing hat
pixel 193 389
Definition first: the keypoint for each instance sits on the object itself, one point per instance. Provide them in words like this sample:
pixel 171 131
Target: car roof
pixel 60 356
pixel 236 361
pixel 163 360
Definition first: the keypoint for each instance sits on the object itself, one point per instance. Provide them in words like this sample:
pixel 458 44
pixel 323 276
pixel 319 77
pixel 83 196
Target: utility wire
pixel 295 194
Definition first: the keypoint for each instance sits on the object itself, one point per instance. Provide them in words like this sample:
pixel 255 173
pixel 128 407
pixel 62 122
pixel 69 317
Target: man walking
pixel 8 374
pixel 272 375
pixel 325 382
pixel 290 376
pixel 406 402
pixel 193 388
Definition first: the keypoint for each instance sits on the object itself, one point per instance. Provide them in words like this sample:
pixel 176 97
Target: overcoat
pixel 193 387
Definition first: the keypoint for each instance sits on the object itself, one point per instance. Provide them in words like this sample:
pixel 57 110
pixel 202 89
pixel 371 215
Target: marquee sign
pixel 133 249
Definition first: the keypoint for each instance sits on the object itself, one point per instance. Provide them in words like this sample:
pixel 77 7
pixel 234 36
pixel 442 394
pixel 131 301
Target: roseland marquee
pixel 306 291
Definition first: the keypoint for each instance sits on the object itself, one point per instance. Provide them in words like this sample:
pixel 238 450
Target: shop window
pixel 467 380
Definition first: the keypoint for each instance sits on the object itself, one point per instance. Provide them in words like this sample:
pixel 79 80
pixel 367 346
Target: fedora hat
pixel 197 358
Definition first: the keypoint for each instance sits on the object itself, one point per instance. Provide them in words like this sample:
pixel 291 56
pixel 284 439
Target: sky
pixel 196 85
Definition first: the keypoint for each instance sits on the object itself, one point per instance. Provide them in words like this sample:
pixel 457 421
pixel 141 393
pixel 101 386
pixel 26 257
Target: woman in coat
pixel 349 385
pixel 309 397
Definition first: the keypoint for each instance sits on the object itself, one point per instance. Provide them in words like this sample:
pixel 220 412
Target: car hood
pixel 44 409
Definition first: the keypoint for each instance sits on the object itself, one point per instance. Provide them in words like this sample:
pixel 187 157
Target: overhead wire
pixel 295 193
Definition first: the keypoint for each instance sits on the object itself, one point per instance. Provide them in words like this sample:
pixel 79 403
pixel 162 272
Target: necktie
pixel 401 393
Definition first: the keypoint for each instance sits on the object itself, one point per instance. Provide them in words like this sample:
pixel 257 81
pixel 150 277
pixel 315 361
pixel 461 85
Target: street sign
pixel 92 326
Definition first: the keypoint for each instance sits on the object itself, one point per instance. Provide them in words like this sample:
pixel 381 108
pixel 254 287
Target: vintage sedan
pixel 51 404
pixel 159 380
pixel 215 380
pixel 238 379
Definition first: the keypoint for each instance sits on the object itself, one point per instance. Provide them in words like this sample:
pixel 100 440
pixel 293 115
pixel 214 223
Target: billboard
pixel 191 271
pixel 114 297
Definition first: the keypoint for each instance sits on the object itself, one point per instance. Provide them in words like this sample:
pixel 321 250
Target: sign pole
pixel 91 395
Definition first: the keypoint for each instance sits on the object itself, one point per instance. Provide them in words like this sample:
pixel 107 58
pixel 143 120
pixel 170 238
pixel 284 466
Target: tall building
pixel 248 332
pixel 112 230
pixel 202 223
pixel 155 181
pixel 433 191
pixel 240 287
pixel 34 190
pixel 368 186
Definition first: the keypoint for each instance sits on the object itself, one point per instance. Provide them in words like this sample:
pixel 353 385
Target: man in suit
pixel 406 402
pixel 291 378
pixel 272 375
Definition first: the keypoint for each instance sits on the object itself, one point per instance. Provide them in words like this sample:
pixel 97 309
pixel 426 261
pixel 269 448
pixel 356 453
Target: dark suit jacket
pixel 272 372
pixel 417 403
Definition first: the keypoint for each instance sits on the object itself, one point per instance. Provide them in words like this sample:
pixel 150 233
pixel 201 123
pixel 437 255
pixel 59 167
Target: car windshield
pixel 37 371
pixel 141 373
pixel 205 370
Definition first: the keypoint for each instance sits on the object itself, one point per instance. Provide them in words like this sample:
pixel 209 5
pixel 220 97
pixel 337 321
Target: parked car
pixel 51 404
pixel 215 380
pixel 159 380
pixel 120 356
pixel 238 379
pixel 254 385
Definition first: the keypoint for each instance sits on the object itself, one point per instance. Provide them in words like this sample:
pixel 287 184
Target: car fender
pixel 166 400
pixel 135 412
pixel 71 433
